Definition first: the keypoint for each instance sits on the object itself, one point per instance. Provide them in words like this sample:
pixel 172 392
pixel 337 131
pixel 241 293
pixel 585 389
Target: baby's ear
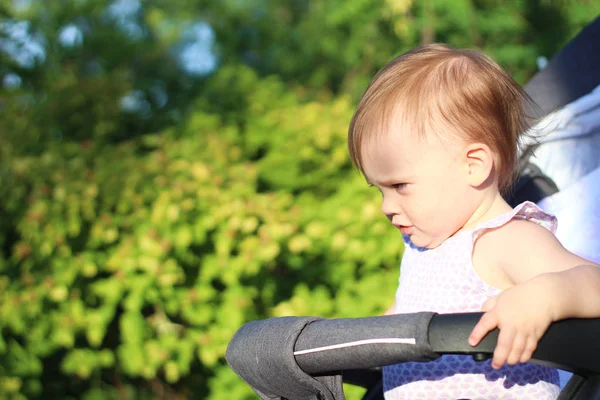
pixel 479 163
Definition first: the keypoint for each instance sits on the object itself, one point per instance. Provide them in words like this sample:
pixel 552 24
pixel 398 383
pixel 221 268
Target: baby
pixel 436 132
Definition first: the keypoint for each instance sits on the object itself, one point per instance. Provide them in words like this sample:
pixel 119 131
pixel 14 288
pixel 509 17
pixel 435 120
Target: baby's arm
pixel 550 284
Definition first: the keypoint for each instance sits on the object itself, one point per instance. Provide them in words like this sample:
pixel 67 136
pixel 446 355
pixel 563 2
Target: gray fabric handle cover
pixel 301 357
pixel 262 354
pixel 353 343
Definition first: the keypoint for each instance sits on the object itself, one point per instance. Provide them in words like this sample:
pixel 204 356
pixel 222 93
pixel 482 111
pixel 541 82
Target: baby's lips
pixel 405 229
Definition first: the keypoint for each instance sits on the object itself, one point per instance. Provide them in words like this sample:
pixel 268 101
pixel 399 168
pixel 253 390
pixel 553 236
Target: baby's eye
pixel 399 186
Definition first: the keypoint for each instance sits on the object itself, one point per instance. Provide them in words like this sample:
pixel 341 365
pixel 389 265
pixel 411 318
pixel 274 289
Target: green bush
pixel 129 267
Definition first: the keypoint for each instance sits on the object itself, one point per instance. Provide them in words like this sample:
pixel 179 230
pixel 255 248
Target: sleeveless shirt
pixel 443 280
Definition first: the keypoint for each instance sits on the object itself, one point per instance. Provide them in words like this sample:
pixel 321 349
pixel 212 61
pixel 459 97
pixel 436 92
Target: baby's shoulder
pixel 518 234
pixel 510 253
pixel 517 248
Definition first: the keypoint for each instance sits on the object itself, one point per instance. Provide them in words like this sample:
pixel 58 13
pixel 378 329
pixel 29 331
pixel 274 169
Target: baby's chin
pixel 423 241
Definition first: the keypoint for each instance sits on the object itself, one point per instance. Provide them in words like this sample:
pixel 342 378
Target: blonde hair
pixel 459 88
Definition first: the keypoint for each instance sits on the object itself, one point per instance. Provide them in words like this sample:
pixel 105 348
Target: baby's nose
pixel 389 209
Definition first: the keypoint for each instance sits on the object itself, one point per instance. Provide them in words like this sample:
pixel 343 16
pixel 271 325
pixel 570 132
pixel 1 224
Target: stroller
pixel 309 357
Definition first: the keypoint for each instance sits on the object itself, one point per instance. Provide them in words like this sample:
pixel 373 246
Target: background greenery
pixel 154 196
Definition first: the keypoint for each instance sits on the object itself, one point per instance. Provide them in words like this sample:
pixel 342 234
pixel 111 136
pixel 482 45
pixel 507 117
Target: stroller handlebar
pixel 572 344
pixel 293 356
pixel 362 343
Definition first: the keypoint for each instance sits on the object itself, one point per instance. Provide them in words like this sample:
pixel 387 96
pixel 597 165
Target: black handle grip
pixel 572 344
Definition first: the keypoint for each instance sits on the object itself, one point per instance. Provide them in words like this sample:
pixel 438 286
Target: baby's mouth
pixel 405 229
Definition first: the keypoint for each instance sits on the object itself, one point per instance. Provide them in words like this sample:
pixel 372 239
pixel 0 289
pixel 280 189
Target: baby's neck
pixel 491 206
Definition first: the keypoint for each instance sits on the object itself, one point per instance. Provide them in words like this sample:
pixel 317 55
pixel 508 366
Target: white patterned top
pixel 443 280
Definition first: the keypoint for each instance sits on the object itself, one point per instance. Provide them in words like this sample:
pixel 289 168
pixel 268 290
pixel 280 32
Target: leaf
pixel 133 327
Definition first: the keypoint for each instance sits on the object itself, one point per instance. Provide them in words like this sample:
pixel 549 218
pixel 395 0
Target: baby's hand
pixel 522 313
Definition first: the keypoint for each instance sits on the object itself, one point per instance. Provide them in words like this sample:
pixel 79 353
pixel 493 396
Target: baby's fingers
pixel 486 323
pixel 489 304
pixel 518 348
pixel 503 347
pixel 529 349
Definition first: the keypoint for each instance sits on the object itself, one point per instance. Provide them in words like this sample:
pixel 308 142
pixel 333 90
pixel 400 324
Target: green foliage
pixel 76 91
pixel 340 44
pixel 141 260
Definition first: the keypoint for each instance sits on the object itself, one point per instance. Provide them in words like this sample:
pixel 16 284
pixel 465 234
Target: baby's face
pixel 423 182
